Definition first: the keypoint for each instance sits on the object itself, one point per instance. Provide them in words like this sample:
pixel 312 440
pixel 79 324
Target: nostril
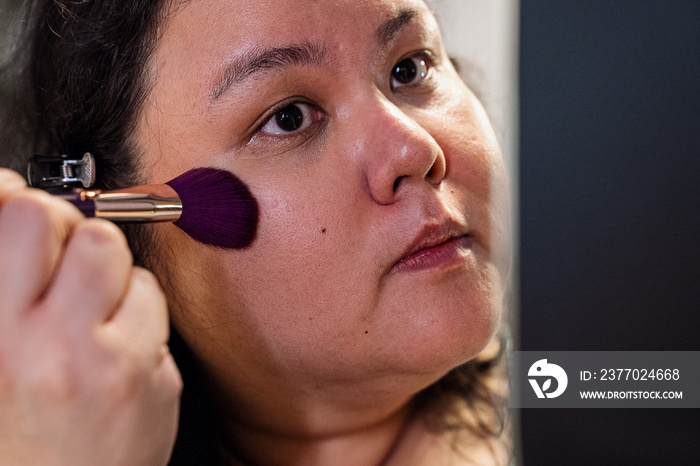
pixel 433 174
pixel 437 171
pixel 397 181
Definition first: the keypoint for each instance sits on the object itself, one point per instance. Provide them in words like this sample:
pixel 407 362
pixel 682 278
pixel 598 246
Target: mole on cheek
pixel 323 230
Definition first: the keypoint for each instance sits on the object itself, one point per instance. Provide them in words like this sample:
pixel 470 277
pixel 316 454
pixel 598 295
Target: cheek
pixel 301 265
pixel 476 170
pixel 471 145
pixel 294 224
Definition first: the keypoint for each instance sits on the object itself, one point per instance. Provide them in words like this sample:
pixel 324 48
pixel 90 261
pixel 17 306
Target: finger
pixel 163 412
pixel 168 374
pixel 10 181
pixel 33 229
pixel 93 277
pixel 142 317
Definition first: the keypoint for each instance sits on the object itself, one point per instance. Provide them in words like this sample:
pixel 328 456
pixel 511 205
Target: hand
pixel 86 377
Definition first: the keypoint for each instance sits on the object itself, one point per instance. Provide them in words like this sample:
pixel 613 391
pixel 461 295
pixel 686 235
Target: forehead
pixel 266 19
pixel 208 33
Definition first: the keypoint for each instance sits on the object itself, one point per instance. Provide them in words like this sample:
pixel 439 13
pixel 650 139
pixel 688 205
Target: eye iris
pixel 405 71
pixel 289 118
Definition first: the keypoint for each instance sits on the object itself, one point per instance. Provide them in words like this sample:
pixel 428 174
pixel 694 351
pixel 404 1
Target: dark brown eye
pixel 290 118
pixel 408 71
pixel 405 71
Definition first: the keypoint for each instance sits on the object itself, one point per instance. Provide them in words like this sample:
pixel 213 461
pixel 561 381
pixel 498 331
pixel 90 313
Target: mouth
pixel 436 246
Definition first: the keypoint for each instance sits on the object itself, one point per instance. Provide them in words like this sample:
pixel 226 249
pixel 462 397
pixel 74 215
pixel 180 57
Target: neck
pixel 366 443
pixel 285 417
pixel 315 424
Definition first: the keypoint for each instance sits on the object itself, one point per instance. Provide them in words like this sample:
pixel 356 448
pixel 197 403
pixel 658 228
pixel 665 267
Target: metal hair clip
pixel 61 171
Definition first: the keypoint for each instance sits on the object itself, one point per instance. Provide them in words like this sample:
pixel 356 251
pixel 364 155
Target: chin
pixel 440 338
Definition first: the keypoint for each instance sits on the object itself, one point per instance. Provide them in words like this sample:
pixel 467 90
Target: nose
pixel 402 154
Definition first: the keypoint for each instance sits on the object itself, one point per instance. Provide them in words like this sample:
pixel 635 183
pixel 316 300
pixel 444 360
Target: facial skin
pixel 319 327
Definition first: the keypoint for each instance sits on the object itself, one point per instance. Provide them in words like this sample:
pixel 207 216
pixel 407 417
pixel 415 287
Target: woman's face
pixel 380 251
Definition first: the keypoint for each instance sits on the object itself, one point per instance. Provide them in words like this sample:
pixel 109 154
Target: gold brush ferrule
pixel 137 207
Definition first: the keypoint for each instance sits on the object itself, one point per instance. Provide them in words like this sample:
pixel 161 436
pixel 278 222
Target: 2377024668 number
pixel 639 374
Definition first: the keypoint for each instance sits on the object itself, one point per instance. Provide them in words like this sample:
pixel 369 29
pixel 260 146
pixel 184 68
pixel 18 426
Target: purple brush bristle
pixel 217 208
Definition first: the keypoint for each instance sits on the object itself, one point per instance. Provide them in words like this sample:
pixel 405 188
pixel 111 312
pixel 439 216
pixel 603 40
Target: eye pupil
pixel 405 71
pixel 289 118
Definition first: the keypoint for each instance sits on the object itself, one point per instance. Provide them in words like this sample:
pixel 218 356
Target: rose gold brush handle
pixel 132 207
pixel 148 203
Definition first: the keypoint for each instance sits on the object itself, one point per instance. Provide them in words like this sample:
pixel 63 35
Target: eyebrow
pixel 389 29
pixel 268 59
pixel 303 54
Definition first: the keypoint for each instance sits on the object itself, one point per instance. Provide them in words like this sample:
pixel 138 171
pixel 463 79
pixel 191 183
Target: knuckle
pixel 146 284
pixel 131 375
pixel 145 277
pixel 100 246
pixel 173 380
pixel 148 281
pixel 123 379
pixel 102 233
pixel 39 214
pixel 96 254
pixel 29 210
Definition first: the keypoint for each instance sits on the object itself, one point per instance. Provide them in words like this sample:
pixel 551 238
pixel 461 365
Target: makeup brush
pixel 212 206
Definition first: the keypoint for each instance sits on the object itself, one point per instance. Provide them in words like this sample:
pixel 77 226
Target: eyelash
pixel 424 58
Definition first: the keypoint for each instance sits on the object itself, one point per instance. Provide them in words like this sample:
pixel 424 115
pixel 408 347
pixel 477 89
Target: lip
pixel 435 246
